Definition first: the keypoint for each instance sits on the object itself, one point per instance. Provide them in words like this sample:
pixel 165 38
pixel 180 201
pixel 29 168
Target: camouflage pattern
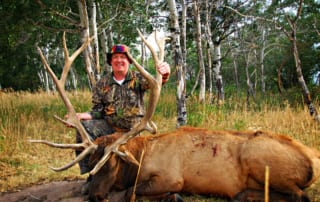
pixel 95 128
pixel 120 105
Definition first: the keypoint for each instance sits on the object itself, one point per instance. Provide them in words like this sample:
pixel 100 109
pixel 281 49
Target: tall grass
pixel 26 116
pixel 30 116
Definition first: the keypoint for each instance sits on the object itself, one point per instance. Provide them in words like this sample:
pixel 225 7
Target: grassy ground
pixel 30 116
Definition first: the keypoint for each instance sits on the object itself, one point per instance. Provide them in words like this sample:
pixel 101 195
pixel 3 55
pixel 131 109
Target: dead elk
pixel 199 161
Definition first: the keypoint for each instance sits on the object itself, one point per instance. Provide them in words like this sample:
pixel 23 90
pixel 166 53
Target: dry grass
pixel 30 116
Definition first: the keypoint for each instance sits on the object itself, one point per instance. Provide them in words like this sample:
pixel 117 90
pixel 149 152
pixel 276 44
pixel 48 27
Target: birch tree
pixel 219 24
pixel 292 36
pixel 210 47
pixel 179 64
pixel 281 16
pixel 95 43
pixel 85 34
pixel 103 40
pixel 261 57
pixel 198 38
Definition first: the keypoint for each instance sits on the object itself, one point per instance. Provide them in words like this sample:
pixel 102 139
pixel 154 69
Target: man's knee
pixel 97 128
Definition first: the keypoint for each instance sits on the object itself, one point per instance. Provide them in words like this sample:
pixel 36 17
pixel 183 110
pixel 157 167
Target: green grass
pixel 26 116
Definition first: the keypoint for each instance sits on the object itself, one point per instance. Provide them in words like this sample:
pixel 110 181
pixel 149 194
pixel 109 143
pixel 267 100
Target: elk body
pixel 199 161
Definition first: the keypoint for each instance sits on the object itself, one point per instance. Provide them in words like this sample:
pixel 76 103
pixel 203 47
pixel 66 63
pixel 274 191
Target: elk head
pixel 87 145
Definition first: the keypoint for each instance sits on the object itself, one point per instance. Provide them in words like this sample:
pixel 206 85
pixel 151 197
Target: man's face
pixel 120 62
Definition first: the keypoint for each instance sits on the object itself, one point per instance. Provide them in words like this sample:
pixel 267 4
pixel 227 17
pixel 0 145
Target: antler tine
pixel 83 154
pixel 161 44
pixel 72 116
pixel 145 123
pixel 56 145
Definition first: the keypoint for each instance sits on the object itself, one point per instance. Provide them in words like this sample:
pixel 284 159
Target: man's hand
pixel 80 116
pixel 84 116
pixel 163 68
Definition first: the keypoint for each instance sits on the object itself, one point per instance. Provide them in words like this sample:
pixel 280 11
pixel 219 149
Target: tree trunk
pixel 74 81
pixel 43 74
pixel 210 48
pixel 178 60
pixel 235 67
pixel 305 91
pixel 250 90
pixel 279 81
pixel 95 42
pixel 84 22
pixel 143 52
pixel 210 72
pixel 293 38
pixel 202 77
pixel 261 58
pixel 217 72
pixel 254 73
pixel 103 42
pixel 183 34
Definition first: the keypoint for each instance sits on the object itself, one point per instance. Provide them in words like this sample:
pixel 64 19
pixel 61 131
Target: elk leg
pixel 157 186
pixel 153 189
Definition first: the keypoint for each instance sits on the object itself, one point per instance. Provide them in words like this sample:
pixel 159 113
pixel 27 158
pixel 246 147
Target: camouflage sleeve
pixel 143 82
pixel 97 111
pixel 165 78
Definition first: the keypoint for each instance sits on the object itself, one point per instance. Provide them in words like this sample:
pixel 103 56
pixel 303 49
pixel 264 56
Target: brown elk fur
pixel 200 161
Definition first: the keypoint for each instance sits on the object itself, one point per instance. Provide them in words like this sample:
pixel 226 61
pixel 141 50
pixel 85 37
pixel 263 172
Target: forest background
pixel 229 60
pixel 218 48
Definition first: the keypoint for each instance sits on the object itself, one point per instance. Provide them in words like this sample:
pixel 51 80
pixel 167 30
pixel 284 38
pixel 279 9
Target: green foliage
pixel 26 24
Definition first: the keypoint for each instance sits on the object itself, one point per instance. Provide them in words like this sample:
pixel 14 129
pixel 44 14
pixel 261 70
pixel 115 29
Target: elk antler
pixel 72 120
pixel 155 89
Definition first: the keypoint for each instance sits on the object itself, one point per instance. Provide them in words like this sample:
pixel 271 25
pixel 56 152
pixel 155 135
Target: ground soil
pixel 62 191
pixel 69 191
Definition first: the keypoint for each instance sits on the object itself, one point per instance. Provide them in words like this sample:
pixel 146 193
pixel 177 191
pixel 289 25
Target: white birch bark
pixel 202 78
pixel 210 48
pixel 95 42
pixel 261 58
pixel 217 72
pixel 74 81
pixel 85 33
pixel 180 69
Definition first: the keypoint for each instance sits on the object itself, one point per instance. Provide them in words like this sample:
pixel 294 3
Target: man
pixel 117 100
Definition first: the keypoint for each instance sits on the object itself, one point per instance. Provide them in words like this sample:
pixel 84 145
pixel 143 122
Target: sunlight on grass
pixel 30 116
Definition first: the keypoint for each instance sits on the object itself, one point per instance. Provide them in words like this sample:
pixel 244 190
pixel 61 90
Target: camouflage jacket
pixel 121 105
